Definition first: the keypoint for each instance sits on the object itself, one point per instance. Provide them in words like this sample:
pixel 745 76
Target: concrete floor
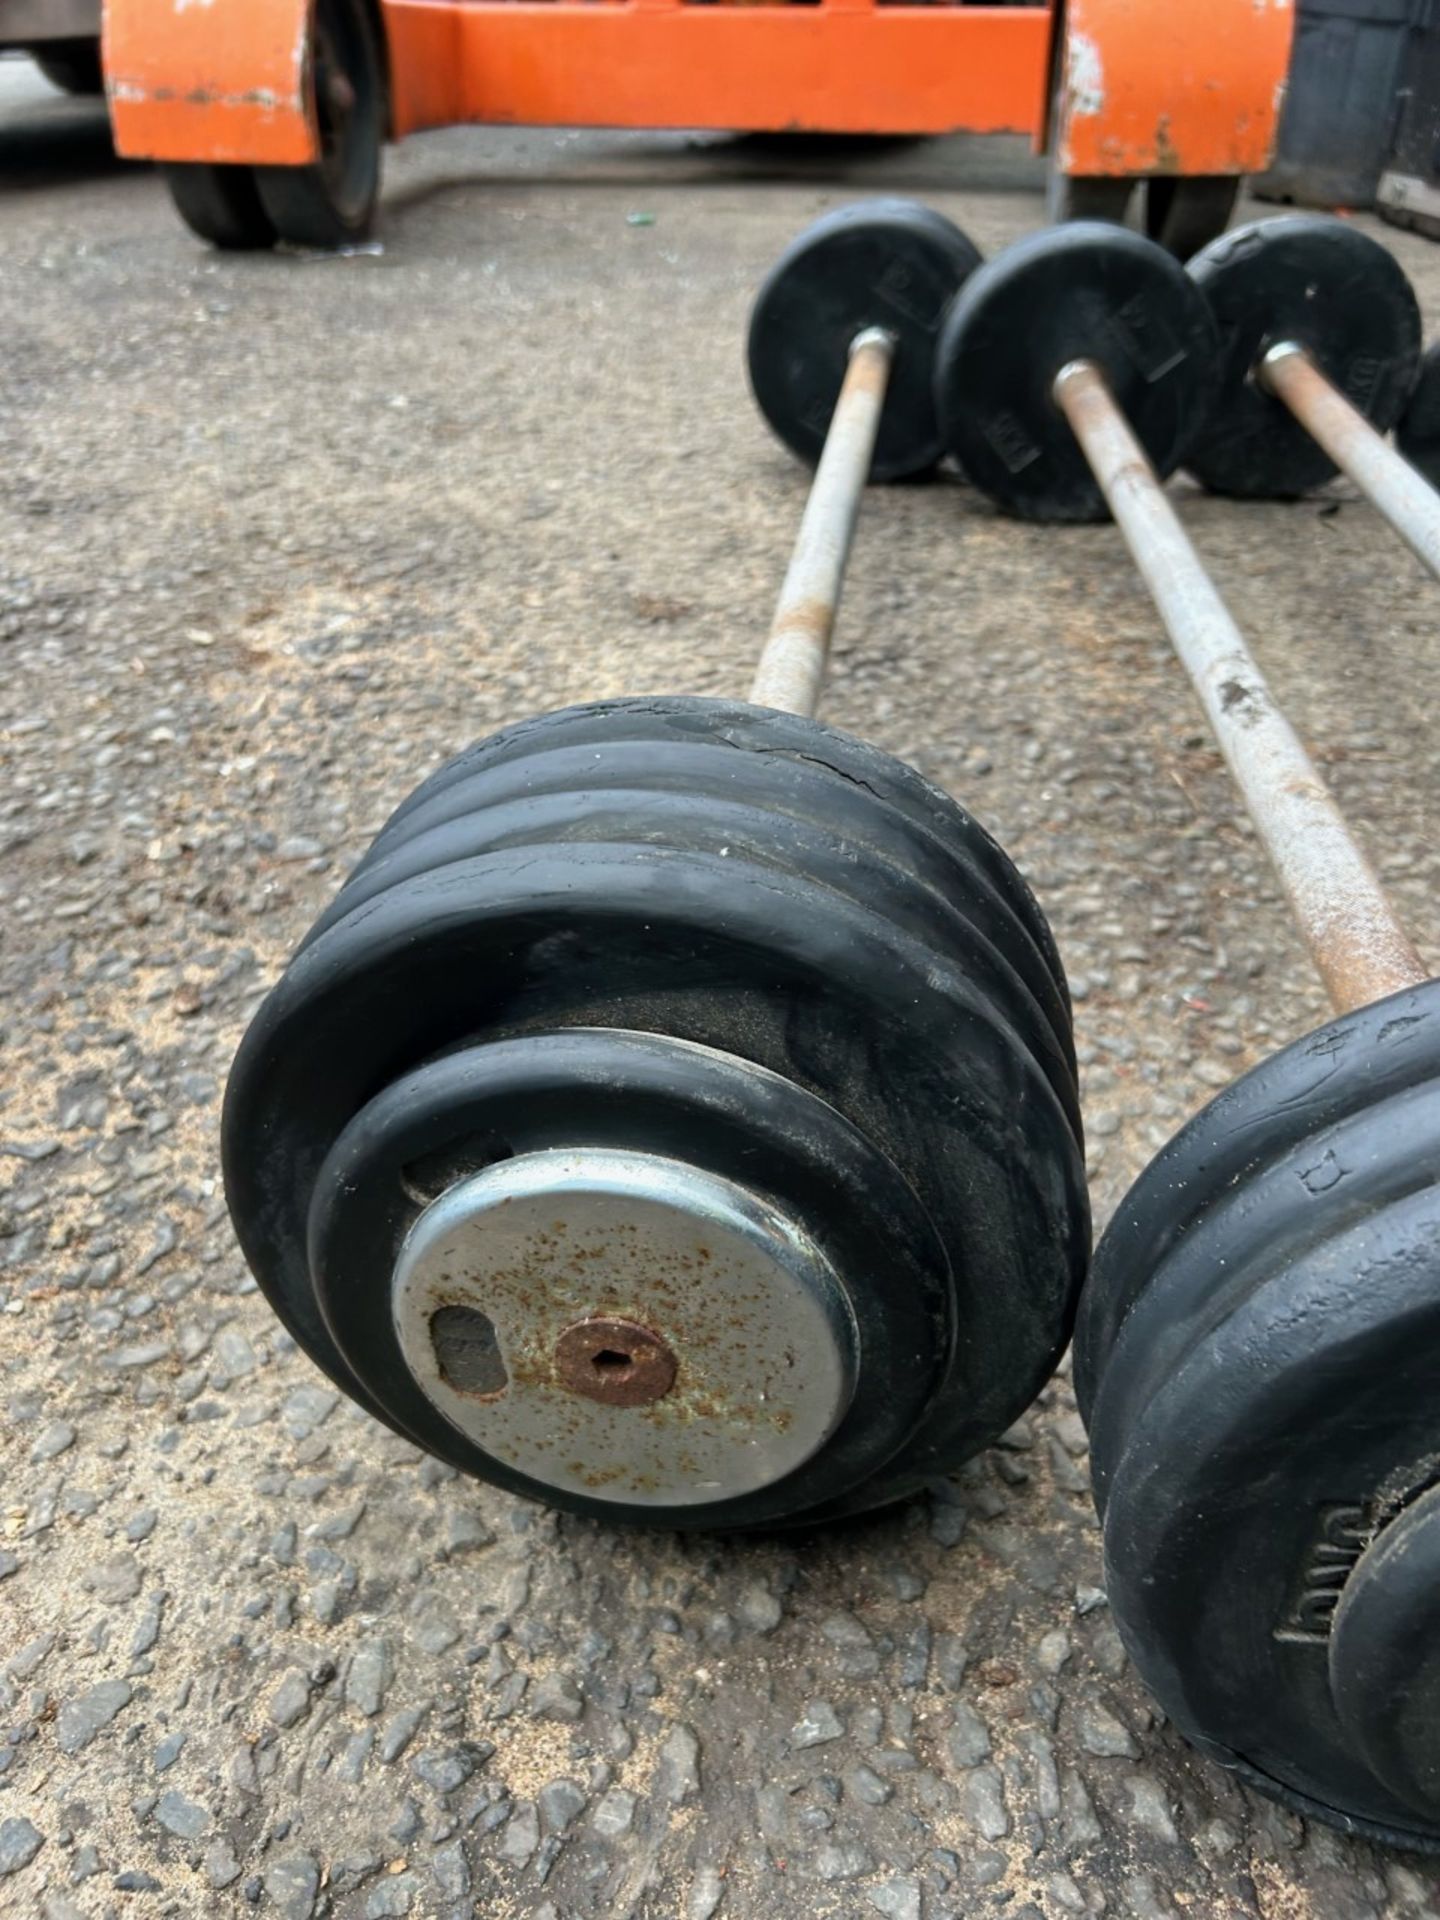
pixel 276 537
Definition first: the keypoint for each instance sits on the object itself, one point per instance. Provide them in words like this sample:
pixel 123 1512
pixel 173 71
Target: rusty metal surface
pixel 616 1362
pixel 1358 943
pixel 1389 483
pixel 727 1340
pixel 791 670
pixel 1200 95
pixel 226 81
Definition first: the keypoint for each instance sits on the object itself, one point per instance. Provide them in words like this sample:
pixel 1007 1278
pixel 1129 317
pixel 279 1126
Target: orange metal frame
pixel 1189 87
pixel 228 81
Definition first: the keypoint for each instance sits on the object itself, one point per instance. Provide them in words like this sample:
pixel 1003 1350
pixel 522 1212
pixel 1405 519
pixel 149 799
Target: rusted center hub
pixel 617 1362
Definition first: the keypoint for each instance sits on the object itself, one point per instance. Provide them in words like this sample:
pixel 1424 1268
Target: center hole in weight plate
pixel 608 1358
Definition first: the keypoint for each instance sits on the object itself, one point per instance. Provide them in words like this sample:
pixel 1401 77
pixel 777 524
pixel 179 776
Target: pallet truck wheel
pixel 221 205
pixel 1185 215
pixel 73 66
pixel 332 204
pixel 1073 196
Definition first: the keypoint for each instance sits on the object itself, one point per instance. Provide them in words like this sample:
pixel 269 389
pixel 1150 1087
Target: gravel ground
pixel 278 536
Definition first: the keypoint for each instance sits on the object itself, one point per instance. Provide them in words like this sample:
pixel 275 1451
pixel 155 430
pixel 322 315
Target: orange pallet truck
pixel 270 115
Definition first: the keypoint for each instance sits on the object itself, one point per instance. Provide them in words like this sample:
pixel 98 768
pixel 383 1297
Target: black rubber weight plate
pixel 1339 294
pixel 1339 1070
pixel 745 730
pixel 882 263
pixel 1088 291
pixel 1418 434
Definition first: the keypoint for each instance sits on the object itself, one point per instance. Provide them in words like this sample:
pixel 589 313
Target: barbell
pixel 674 1115
pixel 1256 1349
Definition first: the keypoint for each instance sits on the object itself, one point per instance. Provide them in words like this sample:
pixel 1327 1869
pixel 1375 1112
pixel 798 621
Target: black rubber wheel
pixel 1072 196
pixel 1186 212
pixel 1255 1358
pixel 704 928
pixel 1336 292
pixel 221 205
pixel 1082 292
pixel 332 204
pixel 73 66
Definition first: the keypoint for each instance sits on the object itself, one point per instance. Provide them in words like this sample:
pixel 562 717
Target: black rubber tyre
pixel 1255 1357
pixel 332 204
pixel 514 965
pixel 1070 196
pixel 221 205
pixel 73 66
pixel 1186 212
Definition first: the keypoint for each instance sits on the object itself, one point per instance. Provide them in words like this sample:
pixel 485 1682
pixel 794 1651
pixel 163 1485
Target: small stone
pixel 1053 1652
pixel 614 1813
pixel 968 1741
pixel 1087 1599
pixel 52 1440
pixel 865 1785
pixel 819 1723
pixel 113 1581
pixel 758 1609
pixel 147 1626
pixel 168 1751
pixel 141 1525
pixel 291 1699
pixel 554 1697
pixel 559 1803
pixel 368 1676
pixel 292 1884
pixel 391 1896
pixel 221 1866
pixel 182 1817
pixel 1103 1735
pixel 135 1880
pixel 896 1899
pixel 522 1834
pixel 80 1719
pixel 677 1773
pixel 847 1860
pixel 465 1531
pixel 9 1563
pixel 982 1799
pixel 19 1843
pixel 706 1892
pixel 1150 1807
pixel 451 1871
pixel 400 1730
pixel 443 1771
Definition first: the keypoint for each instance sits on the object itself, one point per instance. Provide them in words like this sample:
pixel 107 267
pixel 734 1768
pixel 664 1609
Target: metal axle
pixel 1388 481
pixel 791 671
pixel 1359 945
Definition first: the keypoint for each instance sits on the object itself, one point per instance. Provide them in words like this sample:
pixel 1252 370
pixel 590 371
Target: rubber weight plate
pixel 1418 434
pixel 1085 291
pixel 915 1046
pixel 1261 1381
pixel 881 263
pixel 1334 291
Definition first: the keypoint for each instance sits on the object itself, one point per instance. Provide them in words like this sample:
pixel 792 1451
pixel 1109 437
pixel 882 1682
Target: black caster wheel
pixel 73 66
pixel 332 204
pixel 1186 212
pixel 221 205
pixel 673 1119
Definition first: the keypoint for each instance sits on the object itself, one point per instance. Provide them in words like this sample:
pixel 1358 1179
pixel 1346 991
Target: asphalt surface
pixel 277 536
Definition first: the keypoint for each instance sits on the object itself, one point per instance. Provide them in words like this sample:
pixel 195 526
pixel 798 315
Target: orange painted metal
pixel 842 66
pixel 1174 89
pixel 220 80
pixel 1195 91
pixel 224 80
